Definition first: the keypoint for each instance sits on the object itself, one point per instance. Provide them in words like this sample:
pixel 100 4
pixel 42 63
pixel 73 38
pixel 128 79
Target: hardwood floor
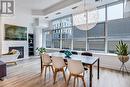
pixel 27 74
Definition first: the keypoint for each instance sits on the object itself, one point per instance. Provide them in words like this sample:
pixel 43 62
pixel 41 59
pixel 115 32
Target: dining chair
pixel 76 69
pixel 58 64
pixel 87 54
pixel 75 53
pixel 46 62
pixel 62 51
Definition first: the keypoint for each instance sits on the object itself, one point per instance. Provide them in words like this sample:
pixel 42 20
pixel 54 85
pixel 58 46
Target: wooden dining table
pixel 87 60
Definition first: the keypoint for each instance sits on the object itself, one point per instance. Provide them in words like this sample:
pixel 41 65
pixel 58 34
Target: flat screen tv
pixel 13 32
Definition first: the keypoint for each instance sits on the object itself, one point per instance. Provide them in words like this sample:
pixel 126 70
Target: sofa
pixel 2 70
pixel 10 58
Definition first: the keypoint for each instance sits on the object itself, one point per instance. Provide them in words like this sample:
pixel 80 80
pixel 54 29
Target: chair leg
pixel 64 75
pixel 83 81
pixel 52 69
pixel 45 70
pixel 49 69
pixel 42 69
pixel 65 68
pixel 55 73
pixel 69 79
pixel 74 81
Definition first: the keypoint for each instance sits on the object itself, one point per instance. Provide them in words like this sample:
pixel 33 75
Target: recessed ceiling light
pixel 58 13
pixel 75 7
pixel 46 17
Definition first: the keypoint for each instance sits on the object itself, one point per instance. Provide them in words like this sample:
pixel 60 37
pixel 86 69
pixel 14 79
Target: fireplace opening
pixel 20 49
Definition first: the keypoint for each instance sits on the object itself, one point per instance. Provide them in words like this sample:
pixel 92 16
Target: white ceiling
pixel 68 9
pixel 46 6
pixel 37 4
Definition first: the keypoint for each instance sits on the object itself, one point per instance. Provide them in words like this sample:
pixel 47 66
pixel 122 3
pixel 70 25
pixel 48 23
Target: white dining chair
pixel 58 64
pixel 76 69
pixel 46 62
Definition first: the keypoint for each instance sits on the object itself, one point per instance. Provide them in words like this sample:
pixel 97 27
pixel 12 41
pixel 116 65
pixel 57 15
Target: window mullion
pixel 106 31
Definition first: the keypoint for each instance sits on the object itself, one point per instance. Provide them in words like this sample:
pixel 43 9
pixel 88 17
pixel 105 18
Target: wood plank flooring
pixel 27 74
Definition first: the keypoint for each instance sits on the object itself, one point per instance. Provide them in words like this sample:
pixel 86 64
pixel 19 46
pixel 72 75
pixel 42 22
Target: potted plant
pixel 41 50
pixel 122 51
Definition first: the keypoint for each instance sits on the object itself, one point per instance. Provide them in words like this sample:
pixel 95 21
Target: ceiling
pixel 49 8
pixel 37 4
pixel 62 6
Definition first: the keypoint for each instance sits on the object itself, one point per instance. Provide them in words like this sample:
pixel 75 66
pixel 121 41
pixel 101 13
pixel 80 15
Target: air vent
pixel 97 0
pixel 58 13
pixel 46 17
pixel 75 7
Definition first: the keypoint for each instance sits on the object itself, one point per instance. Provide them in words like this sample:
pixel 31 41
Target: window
pixel 96 37
pixel 79 39
pixel 118 30
pixel 115 11
pixel 101 14
pixel 66 38
pixel 66 22
pixel 56 35
pixel 48 39
pixel 97 31
pixel 96 44
pixel 112 43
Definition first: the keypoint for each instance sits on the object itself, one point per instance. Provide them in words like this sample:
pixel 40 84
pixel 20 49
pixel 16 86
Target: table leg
pixel 90 78
pixel 41 62
pixel 98 65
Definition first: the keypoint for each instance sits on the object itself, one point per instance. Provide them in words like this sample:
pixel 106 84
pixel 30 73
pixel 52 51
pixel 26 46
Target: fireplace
pixel 20 49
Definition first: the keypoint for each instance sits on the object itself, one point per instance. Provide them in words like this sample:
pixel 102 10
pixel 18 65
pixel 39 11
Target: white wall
pixel 111 61
pixel 22 17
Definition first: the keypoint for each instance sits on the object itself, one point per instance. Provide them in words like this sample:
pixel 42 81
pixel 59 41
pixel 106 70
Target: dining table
pixel 87 60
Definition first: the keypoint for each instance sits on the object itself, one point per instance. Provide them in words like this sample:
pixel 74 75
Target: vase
pixel 123 59
pixel 67 56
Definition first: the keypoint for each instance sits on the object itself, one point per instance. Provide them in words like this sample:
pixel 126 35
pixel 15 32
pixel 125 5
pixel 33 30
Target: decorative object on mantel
pixel 122 52
pixel 67 54
pixel 85 16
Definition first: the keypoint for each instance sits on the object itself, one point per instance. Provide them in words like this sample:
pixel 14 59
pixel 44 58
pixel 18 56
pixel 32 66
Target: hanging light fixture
pixel 86 16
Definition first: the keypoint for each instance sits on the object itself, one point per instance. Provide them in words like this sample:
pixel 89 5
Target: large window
pixel 115 11
pixel 56 35
pixel 66 38
pixel 102 14
pixel 118 30
pixel 111 28
pixel 48 39
pixel 79 39
pixel 96 44
pixel 96 37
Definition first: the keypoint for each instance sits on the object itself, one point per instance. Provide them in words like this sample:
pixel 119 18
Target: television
pixel 13 32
